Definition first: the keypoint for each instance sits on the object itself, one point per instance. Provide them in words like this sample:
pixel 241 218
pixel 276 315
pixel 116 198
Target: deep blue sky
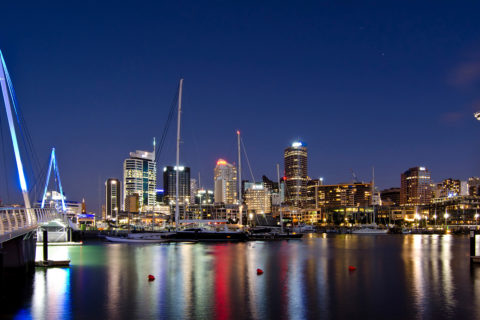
pixel 385 84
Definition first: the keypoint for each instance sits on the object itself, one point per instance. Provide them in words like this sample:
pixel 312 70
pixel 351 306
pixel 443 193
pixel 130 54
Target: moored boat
pixel 134 240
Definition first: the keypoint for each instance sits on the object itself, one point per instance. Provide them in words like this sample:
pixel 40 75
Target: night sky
pixel 385 84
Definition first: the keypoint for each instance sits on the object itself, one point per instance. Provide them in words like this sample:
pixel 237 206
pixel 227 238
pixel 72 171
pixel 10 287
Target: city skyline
pixel 358 98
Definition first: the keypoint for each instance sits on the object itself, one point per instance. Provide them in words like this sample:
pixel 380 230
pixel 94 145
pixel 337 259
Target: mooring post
pixel 472 243
pixel 45 245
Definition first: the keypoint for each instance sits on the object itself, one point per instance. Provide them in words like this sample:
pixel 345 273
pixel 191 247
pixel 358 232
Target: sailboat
pixel 200 234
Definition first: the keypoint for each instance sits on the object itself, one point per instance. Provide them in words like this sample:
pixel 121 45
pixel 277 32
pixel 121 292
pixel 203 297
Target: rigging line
pixel 166 126
pixel 4 161
pixel 248 161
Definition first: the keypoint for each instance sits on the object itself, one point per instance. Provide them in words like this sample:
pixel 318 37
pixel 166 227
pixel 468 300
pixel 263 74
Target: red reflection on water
pixel 222 270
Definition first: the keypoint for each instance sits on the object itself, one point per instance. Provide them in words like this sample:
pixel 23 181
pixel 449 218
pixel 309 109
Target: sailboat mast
pixel 239 178
pixel 178 151
pixel 280 197
pixel 373 192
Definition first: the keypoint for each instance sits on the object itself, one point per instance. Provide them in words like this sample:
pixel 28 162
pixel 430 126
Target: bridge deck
pixel 15 222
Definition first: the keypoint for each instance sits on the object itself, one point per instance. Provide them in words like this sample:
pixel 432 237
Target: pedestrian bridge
pixel 16 222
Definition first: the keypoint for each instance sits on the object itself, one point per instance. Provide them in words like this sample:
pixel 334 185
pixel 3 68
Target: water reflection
pixel 51 295
pixel 417 276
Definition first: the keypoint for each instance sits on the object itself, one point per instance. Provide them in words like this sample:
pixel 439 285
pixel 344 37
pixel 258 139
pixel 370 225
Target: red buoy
pixel 150 277
pixel 352 268
pixel 259 271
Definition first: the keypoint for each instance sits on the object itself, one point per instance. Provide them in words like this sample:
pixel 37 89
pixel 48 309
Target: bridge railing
pixel 16 221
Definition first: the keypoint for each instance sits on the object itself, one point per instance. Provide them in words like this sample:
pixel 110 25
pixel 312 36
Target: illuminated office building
pixel 258 198
pixel 415 187
pixel 169 185
pixel 295 158
pixel 112 197
pixel 225 183
pixel 140 177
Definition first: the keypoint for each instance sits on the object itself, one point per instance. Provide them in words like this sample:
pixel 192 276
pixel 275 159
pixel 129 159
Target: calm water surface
pixel 397 277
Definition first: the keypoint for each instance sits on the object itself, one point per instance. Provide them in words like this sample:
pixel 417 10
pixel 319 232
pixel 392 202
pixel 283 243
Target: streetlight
pixel 476 218
pixel 477 115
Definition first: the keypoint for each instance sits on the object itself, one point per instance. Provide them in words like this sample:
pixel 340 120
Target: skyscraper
pixel 140 177
pixel 225 182
pixel 415 187
pixel 112 197
pixel 169 185
pixel 295 158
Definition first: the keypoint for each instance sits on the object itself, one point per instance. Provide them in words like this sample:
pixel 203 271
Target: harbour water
pixel 396 277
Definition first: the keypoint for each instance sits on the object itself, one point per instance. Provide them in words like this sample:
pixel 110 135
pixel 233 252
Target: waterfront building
pixel 357 194
pixel 112 197
pixel 390 196
pixel 474 186
pixel 451 188
pixel 258 198
pixel 295 161
pixel 225 182
pixel 218 212
pixel 169 185
pixel 415 187
pixel 132 203
pixel 204 197
pixel 140 177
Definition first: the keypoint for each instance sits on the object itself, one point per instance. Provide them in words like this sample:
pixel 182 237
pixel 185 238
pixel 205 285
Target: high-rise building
pixel 296 177
pixel 140 177
pixel 225 183
pixel 169 185
pixel 415 187
pixel 258 198
pixel 112 197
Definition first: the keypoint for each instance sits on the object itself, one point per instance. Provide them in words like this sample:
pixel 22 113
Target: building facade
pixel 169 185
pixel 112 197
pixel 140 177
pixel 225 183
pixel 391 196
pixel 258 198
pixel 295 160
pixel 415 187
pixel 356 194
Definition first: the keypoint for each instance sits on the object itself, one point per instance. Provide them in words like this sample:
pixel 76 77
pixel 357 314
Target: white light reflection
pixel 447 279
pixel 296 309
pixel 51 294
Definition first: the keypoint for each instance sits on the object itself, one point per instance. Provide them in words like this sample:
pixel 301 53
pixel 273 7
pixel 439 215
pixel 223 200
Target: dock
pixel 52 264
